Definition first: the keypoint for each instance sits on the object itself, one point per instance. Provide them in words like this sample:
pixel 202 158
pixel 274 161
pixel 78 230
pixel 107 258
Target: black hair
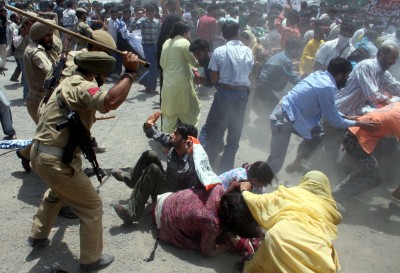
pixel 70 4
pixel 292 44
pixel 13 16
pixel 149 6
pixel 199 44
pixel 212 7
pixel 236 217
pixel 230 30
pixel 358 55
pixel 261 171
pixel 186 130
pixel 293 17
pixel 348 26
pixel 179 28
pixel 339 65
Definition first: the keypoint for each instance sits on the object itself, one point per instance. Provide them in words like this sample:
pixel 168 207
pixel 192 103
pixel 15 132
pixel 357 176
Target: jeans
pixel 282 129
pixel 365 175
pixel 5 115
pixel 227 112
pixel 20 61
pixel 149 78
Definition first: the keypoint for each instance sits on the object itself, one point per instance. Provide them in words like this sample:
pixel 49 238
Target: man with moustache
pixel 367 85
pixel 300 112
pixel 66 180
pixel 37 64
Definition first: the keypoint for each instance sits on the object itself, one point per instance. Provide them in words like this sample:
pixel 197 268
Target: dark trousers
pixel 146 179
pixel 365 174
pixel 227 113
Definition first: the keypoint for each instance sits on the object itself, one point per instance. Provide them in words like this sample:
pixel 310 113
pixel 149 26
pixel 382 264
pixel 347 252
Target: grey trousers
pixel 281 130
pixel 5 115
pixel 365 175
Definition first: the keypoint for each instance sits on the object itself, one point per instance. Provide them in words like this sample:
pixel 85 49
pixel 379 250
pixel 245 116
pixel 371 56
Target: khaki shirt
pixel 78 94
pixel 55 50
pixel 83 29
pixel 37 65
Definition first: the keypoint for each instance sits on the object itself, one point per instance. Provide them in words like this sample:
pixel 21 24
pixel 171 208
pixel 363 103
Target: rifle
pixel 79 136
pixel 51 83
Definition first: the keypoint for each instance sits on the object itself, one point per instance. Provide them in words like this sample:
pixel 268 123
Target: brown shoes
pixel 122 213
pixel 24 162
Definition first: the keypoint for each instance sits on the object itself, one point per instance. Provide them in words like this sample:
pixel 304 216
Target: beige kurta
pixel 179 99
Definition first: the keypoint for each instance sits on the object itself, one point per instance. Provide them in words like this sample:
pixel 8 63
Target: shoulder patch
pixel 93 91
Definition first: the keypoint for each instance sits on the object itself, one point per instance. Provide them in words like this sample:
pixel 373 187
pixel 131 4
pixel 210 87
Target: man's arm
pixel 118 93
pixel 214 76
pixel 151 131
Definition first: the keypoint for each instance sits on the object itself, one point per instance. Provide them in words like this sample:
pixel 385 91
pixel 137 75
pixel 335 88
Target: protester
pixel 207 26
pixel 259 174
pixel 300 223
pixel 12 31
pixel 300 112
pixel 179 102
pixel 367 84
pixel 276 73
pixel 148 177
pixel 230 67
pixel 6 117
pixel 201 51
pixel 149 27
pixel 308 56
pixel 290 31
pixel 360 145
pixel 339 47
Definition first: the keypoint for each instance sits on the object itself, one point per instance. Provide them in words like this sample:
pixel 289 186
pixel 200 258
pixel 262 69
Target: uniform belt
pixel 55 151
pixel 233 87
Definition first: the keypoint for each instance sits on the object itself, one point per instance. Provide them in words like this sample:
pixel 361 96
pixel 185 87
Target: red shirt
pixel 189 219
pixel 286 32
pixel 207 28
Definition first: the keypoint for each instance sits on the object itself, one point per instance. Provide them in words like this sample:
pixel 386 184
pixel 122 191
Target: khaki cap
pixel 79 12
pixel 26 19
pixel 104 38
pixel 95 62
pixel 39 30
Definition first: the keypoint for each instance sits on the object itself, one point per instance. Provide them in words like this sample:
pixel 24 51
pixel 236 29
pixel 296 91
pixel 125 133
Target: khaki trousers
pixel 67 182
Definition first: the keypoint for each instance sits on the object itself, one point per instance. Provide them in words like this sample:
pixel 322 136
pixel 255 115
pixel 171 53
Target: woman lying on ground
pixel 300 223
pixel 189 219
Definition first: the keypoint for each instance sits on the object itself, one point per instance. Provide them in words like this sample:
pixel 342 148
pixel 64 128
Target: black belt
pixel 233 87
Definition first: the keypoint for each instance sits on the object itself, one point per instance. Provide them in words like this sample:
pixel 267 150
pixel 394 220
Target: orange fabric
pixel 389 117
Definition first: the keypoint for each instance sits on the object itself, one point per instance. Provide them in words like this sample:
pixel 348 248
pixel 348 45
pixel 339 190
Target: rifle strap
pixel 64 108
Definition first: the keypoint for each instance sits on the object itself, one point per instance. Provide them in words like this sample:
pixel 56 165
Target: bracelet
pixel 130 75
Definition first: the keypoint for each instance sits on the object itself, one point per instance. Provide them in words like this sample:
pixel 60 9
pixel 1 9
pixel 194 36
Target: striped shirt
pixel 149 29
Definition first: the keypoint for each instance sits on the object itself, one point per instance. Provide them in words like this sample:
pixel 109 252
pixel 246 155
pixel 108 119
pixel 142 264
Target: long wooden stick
pixel 97 14
pixel 69 32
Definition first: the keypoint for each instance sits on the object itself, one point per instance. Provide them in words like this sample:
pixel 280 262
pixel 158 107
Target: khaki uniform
pixel 56 49
pixel 37 65
pixel 68 182
pixel 84 29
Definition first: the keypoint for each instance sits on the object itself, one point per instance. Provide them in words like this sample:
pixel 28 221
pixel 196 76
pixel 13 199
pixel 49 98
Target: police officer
pixel 68 182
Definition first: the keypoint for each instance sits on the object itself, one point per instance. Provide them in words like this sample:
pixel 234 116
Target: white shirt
pixel 363 86
pixel 234 62
pixel 69 18
pixel 330 50
pixel 112 28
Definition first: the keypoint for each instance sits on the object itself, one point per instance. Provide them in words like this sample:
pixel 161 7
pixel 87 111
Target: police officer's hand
pixel 130 62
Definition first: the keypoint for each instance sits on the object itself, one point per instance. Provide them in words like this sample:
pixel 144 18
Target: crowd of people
pixel 324 73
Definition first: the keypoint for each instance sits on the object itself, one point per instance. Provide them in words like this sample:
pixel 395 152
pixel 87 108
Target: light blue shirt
pixel 311 99
pixel 233 61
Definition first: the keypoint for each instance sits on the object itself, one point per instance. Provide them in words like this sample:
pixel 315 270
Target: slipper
pixel 105 260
